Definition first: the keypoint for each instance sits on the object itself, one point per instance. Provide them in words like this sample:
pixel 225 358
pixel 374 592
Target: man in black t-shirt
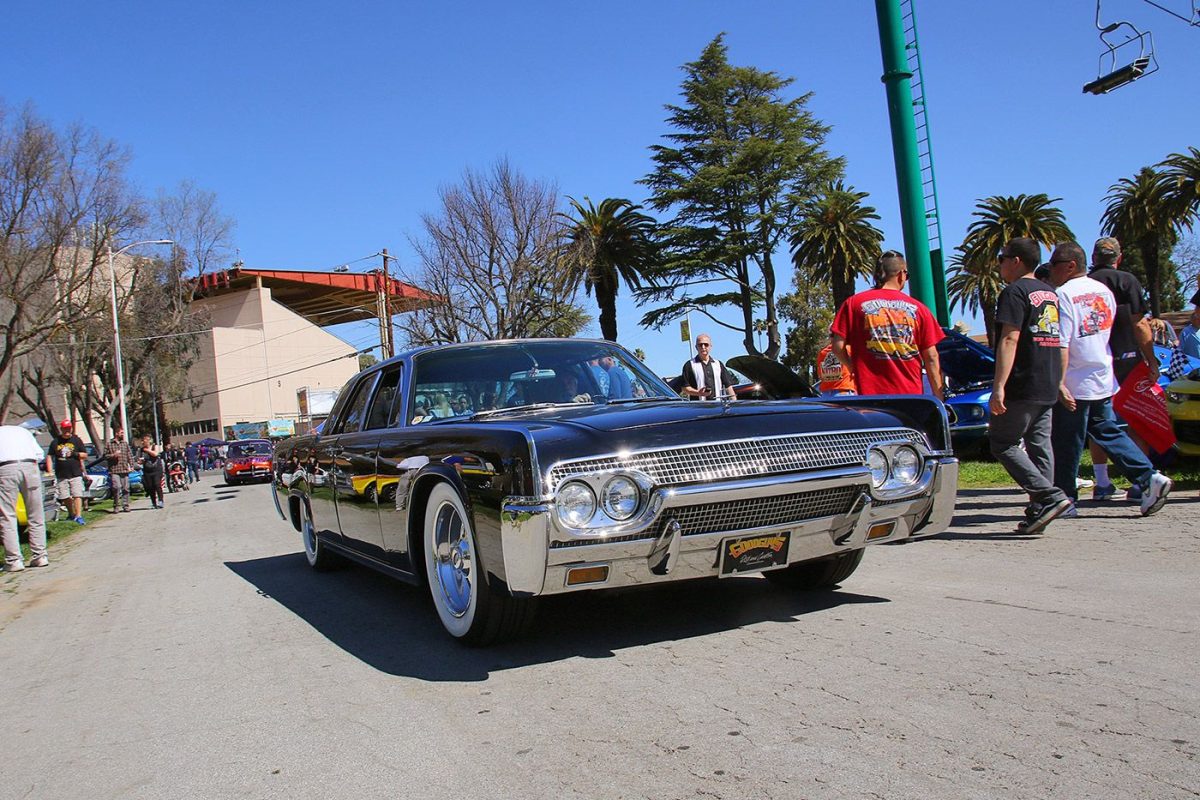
pixel 67 454
pixel 1025 389
pixel 1131 342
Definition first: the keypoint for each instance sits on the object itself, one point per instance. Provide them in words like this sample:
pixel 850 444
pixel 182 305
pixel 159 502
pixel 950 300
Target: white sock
pixel 1101 471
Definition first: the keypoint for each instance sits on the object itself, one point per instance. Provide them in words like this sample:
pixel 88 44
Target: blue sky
pixel 326 130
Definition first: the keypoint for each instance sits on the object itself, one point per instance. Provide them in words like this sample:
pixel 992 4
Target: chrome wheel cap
pixel 454 561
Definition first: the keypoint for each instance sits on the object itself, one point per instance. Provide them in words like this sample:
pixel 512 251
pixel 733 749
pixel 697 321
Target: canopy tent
pixel 210 442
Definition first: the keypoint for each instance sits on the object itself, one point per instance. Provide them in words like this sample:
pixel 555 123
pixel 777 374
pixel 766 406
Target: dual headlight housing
pixel 600 500
pixel 894 468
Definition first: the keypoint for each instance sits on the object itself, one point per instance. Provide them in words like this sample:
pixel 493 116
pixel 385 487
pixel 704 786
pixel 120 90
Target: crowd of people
pixel 23 461
pixel 1065 339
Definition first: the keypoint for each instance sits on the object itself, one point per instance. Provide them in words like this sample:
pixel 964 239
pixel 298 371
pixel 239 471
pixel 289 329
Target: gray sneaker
pixel 40 561
pixel 1154 497
pixel 16 566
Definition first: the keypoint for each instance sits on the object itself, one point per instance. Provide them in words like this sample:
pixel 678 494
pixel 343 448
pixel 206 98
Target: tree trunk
pixel 1148 248
pixel 608 314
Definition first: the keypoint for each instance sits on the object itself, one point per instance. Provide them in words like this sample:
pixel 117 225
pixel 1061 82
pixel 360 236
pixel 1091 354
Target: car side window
pixel 352 417
pixel 385 399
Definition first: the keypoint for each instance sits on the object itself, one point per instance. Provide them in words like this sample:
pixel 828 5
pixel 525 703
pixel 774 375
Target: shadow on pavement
pixel 394 628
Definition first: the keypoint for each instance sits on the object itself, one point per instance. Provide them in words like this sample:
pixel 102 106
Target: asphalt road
pixel 190 653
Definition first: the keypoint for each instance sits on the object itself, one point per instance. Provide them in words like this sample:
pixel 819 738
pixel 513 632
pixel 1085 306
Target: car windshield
pixel 464 381
pixel 243 449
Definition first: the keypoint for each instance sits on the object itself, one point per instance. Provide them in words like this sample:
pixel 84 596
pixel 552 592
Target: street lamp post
pixel 112 282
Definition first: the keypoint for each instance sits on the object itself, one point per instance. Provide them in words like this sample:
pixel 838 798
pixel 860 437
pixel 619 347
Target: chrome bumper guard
pixel 538 553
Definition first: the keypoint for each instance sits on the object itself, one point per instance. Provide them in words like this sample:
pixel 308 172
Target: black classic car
pixel 498 472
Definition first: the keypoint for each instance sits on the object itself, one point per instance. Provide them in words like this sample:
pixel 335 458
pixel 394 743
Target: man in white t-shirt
pixel 1086 310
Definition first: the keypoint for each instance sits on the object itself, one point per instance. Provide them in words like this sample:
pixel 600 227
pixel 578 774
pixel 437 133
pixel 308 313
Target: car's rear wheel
pixel 823 574
pixel 315 551
pixel 470 610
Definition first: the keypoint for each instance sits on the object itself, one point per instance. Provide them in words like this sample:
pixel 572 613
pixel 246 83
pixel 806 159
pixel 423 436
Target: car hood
pixel 635 416
pixel 775 378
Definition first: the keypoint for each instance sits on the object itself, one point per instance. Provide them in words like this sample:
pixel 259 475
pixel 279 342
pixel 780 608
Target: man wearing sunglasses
pixel 1025 389
pixel 705 378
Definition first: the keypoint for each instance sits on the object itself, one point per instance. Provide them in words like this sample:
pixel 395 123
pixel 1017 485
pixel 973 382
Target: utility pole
pixel 389 342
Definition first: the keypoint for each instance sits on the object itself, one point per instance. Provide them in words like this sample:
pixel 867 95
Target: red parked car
pixel 248 460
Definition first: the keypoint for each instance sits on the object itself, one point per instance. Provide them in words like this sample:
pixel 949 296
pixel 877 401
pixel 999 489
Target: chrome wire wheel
pixel 451 561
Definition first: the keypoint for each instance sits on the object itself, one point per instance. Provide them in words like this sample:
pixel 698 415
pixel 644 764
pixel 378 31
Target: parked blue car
pixel 98 490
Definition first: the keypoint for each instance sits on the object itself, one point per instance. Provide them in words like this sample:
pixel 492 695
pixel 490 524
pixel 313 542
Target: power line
pixel 279 375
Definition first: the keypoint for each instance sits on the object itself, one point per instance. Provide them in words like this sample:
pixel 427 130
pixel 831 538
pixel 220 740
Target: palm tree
pixel 835 240
pixel 1181 172
pixel 606 245
pixel 975 283
pixel 1141 213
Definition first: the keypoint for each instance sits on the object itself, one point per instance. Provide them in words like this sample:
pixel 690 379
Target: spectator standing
pixel 883 336
pixel 704 377
pixel 20 455
pixel 191 457
pixel 1131 341
pixel 204 462
pixel 1189 337
pixel 1087 310
pixel 833 376
pixel 153 471
pixel 1025 389
pixel 120 463
pixel 66 457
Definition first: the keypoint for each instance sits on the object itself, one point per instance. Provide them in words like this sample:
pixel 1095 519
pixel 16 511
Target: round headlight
pixel 620 498
pixel 878 464
pixel 906 465
pixel 576 504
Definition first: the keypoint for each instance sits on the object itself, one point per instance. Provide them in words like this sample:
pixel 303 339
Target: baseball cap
pixel 1108 246
pixel 66 423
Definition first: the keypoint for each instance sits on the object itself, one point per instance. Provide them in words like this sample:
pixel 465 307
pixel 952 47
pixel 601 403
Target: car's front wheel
pixel 315 551
pixel 823 574
pixel 469 609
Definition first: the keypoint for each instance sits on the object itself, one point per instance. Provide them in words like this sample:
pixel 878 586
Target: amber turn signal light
pixel 578 575
pixel 881 530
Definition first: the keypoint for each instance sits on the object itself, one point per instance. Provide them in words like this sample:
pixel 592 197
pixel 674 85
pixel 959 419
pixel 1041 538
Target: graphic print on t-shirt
pixel 1094 314
pixel 830 369
pixel 890 327
pixel 1045 327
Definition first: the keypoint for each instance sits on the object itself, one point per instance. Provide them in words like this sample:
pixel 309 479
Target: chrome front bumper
pixel 538 553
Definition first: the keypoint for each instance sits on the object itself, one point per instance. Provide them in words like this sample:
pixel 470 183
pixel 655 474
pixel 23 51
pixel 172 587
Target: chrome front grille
pixel 740 459
pixel 731 516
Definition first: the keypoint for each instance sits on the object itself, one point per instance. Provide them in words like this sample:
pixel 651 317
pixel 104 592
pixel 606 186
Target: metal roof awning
pixel 323 298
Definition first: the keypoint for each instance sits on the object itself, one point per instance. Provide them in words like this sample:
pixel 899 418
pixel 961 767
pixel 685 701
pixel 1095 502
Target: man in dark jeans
pixel 191 456
pixel 1028 374
pixel 1131 343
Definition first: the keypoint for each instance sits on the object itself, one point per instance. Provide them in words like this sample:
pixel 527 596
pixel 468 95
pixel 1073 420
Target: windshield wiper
pixel 491 411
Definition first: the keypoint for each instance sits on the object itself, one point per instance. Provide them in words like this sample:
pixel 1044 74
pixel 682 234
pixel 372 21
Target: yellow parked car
pixel 1183 404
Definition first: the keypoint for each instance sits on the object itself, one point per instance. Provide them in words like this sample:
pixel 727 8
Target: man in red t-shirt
pixel 889 335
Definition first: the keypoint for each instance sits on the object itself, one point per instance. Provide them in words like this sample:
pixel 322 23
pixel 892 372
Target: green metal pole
pixel 897 78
